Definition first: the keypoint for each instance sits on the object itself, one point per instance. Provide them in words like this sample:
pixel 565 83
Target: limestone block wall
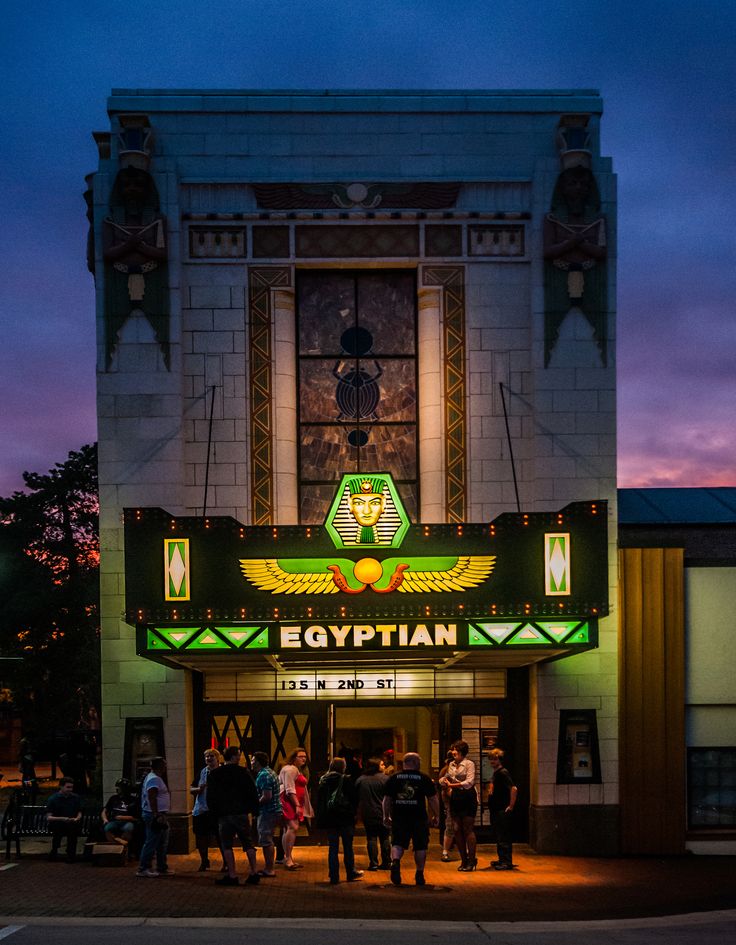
pixel 140 463
pixel 154 423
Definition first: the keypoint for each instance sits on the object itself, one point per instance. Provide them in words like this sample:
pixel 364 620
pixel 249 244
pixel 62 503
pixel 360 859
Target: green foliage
pixel 49 585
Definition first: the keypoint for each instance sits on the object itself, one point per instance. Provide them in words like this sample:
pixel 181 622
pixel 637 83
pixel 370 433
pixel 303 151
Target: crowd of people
pixel 245 800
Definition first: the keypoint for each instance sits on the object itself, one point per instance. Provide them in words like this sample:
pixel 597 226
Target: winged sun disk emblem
pixel 426 575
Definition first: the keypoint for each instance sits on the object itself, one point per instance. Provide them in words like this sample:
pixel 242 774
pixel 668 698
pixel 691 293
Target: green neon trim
pixel 558 630
pixel 476 638
pixel 528 635
pixel 259 642
pixel 580 636
pixel 239 636
pixel 155 643
pixel 208 640
pixel 179 637
pixel 497 632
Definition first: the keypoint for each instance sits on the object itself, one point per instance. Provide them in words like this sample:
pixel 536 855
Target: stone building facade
pixel 243 241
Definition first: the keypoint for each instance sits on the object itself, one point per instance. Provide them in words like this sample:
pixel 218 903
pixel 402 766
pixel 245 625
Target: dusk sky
pixel 667 73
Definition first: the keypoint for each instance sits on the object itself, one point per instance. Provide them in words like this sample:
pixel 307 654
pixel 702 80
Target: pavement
pixel 540 890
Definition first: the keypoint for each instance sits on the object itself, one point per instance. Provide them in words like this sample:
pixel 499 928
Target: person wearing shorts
pixel 203 823
pixel 459 781
pixel 233 800
pixel 405 801
pixel 269 811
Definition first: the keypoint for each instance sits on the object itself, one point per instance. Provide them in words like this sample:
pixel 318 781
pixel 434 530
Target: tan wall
pixel 652 691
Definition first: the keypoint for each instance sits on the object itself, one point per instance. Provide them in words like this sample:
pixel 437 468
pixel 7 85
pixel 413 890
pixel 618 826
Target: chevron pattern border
pixel 262 280
pixel 452 281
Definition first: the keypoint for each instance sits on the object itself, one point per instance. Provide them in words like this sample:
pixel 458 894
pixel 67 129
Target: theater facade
pixel 356 398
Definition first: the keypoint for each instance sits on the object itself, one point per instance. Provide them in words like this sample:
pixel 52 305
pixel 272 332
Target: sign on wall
pixel 368 578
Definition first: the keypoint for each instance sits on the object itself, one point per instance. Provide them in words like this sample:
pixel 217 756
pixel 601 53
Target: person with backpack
pixel 336 805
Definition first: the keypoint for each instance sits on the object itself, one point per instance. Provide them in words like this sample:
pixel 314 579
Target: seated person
pixel 119 814
pixel 64 814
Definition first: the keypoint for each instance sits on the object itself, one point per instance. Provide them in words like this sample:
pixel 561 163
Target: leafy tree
pixel 49 586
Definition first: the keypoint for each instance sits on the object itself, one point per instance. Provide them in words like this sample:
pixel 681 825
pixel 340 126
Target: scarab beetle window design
pixel 357 382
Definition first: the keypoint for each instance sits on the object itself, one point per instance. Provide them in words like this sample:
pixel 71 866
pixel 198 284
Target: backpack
pixel 334 807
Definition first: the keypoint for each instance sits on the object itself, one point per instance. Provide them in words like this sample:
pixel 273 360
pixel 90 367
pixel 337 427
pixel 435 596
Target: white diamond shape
pixel 177 569
pixel 558 564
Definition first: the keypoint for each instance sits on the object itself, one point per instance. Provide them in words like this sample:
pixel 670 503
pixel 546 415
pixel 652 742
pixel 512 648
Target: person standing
pixel 233 800
pixel 155 804
pixel 405 812
pixel 371 788
pixel 64 815
pixel 501 802
pixel 269 811
pixel 336 803
pixel 203 822
pixel 448 835
pixel 295 802
pixel 460 782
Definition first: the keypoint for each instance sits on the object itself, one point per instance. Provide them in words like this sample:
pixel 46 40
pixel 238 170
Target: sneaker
pixel 150 873
pixel 166 872
pixel 419 878
pixel 253 879
pixel 227 881
pixel 355 875
pixel 503 866
pixel 396 872
pixel 373 868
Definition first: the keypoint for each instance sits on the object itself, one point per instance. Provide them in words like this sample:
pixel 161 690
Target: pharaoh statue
pixel 575 244
pixel 134 249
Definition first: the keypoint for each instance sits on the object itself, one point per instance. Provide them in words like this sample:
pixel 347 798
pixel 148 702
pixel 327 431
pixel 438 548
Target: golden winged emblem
pixel 424 575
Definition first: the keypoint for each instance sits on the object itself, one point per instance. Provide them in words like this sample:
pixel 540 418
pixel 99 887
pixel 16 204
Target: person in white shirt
pixel 155 804
pixel 460 782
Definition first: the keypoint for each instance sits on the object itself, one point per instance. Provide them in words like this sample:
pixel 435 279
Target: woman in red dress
pixel 295 802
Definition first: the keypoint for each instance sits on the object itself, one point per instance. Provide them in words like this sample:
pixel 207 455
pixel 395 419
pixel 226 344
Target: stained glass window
pixel 357 382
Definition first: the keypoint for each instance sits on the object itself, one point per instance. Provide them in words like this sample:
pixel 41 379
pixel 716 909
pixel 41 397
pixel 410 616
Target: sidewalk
pixel 541 889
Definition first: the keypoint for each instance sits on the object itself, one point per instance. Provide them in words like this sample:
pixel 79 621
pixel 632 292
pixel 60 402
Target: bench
pixel 29 820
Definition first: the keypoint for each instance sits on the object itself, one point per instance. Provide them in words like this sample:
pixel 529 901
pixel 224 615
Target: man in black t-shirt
pixel 501 802
pixel 405 811
pixel 233 799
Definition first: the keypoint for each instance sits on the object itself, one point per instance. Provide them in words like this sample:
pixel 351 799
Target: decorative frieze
pixel 496 240
pixel 217 242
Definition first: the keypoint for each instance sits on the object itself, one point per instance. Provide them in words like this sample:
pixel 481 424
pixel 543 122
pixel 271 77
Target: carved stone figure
pixel 575 253
pixel 134 249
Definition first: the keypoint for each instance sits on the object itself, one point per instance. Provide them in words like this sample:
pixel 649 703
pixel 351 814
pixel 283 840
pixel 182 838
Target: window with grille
pixel 357 382
pixel 711 787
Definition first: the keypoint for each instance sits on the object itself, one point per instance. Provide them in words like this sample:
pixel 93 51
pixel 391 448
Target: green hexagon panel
pixel 367 512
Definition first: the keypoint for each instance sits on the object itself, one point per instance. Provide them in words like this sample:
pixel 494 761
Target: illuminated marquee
pixel 217 584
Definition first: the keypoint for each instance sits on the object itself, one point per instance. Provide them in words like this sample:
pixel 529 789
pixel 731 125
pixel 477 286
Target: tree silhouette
pixel 49 586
